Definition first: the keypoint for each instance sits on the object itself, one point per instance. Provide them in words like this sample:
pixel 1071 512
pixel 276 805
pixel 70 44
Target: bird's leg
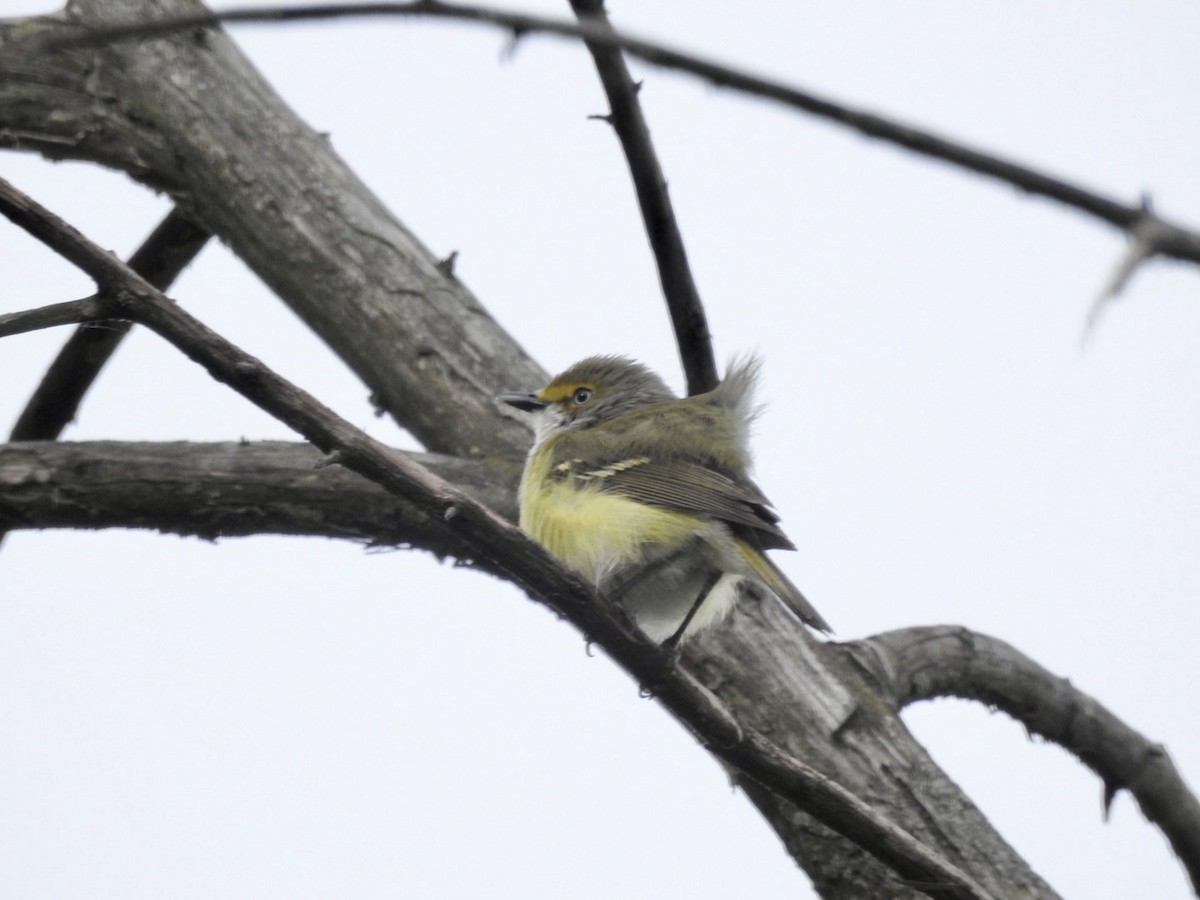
pixel 673 643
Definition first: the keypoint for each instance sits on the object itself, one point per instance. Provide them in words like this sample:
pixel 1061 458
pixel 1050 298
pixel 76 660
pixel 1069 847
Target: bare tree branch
pixel 1171 240
pixel 503 548
pixel 69 312
pixel 193 119
pixel 658 215
pixel 55 401
pixel 231 489
pixel 1144 239
pixel 922 663
pixel 173 114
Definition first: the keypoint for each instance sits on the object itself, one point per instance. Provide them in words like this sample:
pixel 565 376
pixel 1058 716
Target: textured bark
pixel 190 116
pixel 922 663
pixel 230 490
pixel 815 702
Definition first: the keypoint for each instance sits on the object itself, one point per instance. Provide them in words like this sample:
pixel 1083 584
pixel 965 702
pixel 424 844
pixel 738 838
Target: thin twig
pixel 55 401
pixel 1173 240
pixel 688 319
pixel 1144 239
pixel 70 312
pixel 922 663
pixel 508 551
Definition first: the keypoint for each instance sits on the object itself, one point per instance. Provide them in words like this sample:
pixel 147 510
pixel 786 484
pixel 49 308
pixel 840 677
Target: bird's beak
pixel 523 401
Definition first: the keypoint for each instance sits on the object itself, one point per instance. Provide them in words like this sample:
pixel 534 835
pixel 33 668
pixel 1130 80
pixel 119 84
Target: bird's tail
pixel 783 588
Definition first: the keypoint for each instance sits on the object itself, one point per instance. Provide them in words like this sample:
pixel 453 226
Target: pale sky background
pixel 303 719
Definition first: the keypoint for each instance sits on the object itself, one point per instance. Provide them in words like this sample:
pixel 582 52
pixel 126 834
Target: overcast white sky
pixel 286 718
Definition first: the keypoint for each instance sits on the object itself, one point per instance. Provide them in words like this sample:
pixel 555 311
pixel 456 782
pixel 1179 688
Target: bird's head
pixel 593 390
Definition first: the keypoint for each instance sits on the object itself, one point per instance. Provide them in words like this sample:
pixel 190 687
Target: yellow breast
pixel 594 532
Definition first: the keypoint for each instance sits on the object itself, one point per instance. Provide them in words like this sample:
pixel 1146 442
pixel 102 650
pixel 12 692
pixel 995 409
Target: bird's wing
pixel 683 485
pixel 625 457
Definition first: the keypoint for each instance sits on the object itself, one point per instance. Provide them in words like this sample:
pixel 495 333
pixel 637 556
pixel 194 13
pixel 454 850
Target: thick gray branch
pixel 230 490
pixel 192 117
pixel 915 664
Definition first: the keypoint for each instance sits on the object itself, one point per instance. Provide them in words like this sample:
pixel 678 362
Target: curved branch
pixel 658 215
pixel 503 548
pixel 1171 240
pixel 938 661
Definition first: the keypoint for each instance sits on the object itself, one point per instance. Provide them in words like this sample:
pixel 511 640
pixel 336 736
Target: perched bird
pixel 648 495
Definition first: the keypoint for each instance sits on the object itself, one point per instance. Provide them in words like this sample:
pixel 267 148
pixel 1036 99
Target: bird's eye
pixel 581 396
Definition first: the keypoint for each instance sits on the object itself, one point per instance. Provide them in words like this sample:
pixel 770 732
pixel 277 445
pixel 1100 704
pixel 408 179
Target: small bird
pixel 648 495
